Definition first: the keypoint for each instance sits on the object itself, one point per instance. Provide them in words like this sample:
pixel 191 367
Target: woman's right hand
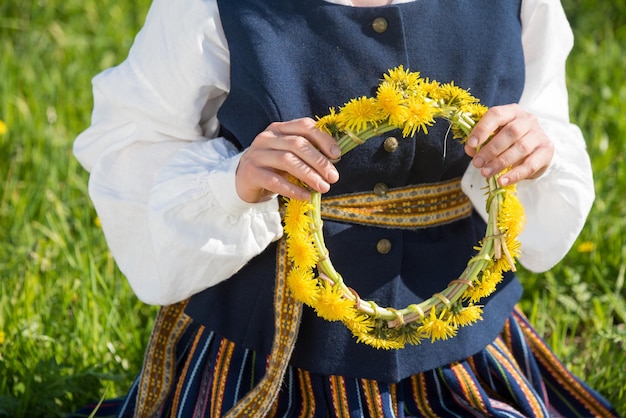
pixel 294 148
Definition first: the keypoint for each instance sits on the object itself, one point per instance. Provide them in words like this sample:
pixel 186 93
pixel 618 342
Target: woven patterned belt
pixel 410 207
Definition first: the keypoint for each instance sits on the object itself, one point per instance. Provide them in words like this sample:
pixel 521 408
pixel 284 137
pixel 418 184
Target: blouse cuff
pixel 223 186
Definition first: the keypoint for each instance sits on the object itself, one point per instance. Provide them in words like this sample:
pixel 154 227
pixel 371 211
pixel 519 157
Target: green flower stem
pixel 324 264
pixel 409 314
pixel 346 143
pixel 478 263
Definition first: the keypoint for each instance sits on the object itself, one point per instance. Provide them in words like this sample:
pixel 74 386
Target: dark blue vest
pixel 295 58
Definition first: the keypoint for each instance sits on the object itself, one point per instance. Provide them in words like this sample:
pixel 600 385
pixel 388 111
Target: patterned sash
pixel 411 207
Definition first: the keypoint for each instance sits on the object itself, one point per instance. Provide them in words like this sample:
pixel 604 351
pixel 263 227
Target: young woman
pixel 197 134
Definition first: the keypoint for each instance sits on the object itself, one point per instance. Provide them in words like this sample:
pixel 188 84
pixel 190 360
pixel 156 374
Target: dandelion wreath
pixel 404 100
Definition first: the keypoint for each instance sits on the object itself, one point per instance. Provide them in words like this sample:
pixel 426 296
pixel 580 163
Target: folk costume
pixel 216 337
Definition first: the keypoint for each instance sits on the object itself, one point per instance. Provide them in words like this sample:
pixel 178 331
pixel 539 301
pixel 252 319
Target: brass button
pixel 390 144
pixel 380 25
pixel 380 189
pixel 383 246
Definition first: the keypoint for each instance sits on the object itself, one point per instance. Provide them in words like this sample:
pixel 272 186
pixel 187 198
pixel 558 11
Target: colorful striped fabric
pixel 515 376
pixel 409 207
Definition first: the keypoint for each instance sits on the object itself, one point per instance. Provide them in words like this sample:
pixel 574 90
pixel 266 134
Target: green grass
pixel 71 329
pixel 580 306
pixel 70 324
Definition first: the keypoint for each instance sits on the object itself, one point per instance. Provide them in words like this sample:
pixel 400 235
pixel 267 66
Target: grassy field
pixel 71 329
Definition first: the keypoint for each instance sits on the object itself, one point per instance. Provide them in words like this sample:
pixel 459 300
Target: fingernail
pixel 504 181
pixel 487 171
pixel 479 162
pixel 333 176
pixel 472 141
pixel 335 151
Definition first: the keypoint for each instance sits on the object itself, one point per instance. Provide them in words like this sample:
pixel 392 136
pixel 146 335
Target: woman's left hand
pixel 518 142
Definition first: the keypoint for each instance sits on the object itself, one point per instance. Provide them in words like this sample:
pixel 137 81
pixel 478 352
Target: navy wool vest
pixel 296 58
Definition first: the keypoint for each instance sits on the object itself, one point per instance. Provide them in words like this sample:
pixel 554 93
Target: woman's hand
pixel 294 148
pixel 518 142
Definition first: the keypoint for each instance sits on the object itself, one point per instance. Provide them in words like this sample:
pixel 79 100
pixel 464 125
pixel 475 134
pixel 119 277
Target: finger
pixel 264 171
pixel 533 166
pixel 305 153
pixel 257 179
pixel 495 117
pixel 507 150
pixel 276 185
pixel 313 146
pixel 299 167
pixel 493 156
pixel 294 147
pixel 306 128
pixel 302 137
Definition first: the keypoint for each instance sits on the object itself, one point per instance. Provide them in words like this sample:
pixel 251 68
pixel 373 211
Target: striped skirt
pixel 515 376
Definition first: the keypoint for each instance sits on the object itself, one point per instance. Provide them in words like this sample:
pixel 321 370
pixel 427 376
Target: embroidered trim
pixel 159 364
pixel 410 207
pixel 287 315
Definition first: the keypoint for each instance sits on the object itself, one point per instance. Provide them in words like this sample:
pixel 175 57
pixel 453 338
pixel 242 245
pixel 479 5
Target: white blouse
pixel 163 184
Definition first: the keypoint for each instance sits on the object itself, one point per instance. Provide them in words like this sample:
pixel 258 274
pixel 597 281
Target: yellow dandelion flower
pixel 474 293
pixel 501 265
pixel 3 335
pixel 301 251
pixel 438 327
pixel 455 96
pixel 430 89
pixel 458 133
pixel 359 323
pixel 421 114
pixel 3 127
pixel 403 79
pixel 332 305
pixel 511 218
pixel 329 123
pixel 391 102
pixel 485 286
pixel 492 277
pixel 412 334
pixel 291 230
pixel 358 114
pixel 514 247
pixel 466 315
pixel 303 285
pixel 379 343
pixel 475 110
pixel 586 247
pixel 296 220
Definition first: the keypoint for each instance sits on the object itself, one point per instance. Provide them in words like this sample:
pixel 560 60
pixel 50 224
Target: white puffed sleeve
pixel 558 202
pixel 161 182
